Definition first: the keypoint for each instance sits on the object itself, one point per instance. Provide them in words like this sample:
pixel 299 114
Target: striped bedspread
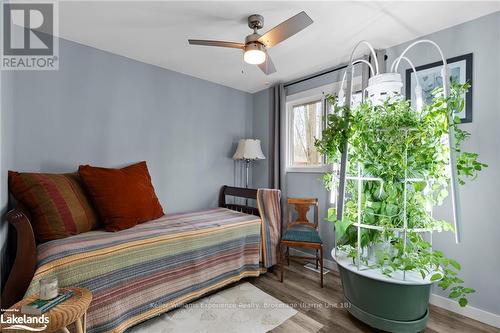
pixel 138 273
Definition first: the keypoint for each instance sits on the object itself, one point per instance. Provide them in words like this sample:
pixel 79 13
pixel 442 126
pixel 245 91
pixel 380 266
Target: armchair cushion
pixel 307 235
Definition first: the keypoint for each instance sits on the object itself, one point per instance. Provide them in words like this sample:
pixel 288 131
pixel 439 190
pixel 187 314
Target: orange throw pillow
pixel 123 197
pixel 56 203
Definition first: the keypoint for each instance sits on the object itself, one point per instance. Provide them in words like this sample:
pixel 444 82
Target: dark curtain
pixel 277 110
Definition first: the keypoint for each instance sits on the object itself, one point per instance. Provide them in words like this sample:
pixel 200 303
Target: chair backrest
pixel 302 206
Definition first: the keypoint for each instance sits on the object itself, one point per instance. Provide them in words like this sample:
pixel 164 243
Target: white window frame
pixel 317 97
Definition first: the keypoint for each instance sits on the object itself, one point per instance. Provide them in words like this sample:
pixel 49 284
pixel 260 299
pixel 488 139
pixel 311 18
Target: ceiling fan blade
pixel 286 29
pixel 219 43
pixel 267 66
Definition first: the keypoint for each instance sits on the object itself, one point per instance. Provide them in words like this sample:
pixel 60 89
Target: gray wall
pixel 5 158
pixel 480 249
pixel 108 110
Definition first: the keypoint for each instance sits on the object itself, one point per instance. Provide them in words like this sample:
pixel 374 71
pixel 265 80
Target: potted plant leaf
pixel 397 171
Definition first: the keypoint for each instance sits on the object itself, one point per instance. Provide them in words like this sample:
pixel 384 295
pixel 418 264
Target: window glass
pixel 306 126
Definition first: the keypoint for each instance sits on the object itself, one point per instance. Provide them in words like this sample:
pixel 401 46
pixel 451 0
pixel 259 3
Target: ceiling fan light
pixel 254 54
pixel 254 57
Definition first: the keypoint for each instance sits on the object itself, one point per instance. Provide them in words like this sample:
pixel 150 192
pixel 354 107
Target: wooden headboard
pixel 240 192
pixel 24 264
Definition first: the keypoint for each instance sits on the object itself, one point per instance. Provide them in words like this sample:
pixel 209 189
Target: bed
pixel 138 273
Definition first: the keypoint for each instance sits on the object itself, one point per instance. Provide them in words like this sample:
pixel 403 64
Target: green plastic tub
pixel 391 304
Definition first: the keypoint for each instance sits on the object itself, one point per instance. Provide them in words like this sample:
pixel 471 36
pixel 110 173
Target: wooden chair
pixel 302 233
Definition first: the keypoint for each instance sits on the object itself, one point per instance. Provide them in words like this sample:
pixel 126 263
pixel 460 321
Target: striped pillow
pixel 56 203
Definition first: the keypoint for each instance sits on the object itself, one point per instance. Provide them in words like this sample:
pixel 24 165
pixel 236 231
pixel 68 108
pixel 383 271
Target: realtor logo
pixel 11 320
pixel 28 31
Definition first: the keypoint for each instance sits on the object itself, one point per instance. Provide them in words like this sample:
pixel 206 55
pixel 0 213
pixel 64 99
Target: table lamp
pixel 248 150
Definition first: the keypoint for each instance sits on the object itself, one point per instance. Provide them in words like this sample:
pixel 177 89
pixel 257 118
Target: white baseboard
pixel 468 311
pixel 440 301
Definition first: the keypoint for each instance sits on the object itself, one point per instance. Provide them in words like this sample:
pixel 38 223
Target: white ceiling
pixel 157 32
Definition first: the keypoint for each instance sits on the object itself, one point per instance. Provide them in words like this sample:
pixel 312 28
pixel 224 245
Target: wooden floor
pixel 320 309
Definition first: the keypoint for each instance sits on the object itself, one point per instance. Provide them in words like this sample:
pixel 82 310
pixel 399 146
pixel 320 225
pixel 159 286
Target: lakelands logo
pixel 28 31
pixel 12 321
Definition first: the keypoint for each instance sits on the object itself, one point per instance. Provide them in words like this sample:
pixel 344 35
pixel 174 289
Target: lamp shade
pixel 248 149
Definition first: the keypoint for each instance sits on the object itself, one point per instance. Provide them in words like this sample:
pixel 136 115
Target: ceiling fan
pixel 256 45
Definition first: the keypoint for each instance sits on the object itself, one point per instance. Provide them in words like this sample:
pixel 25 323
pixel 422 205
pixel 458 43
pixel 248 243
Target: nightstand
pixel 72 310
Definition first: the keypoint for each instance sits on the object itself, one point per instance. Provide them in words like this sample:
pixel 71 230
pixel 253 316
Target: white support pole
pixel 405 199
pixel 455 197
pixel 343 157
pixel 360 191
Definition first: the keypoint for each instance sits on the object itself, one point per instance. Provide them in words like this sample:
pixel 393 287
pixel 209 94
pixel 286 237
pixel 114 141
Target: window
pixel 305 123
pixel 305 120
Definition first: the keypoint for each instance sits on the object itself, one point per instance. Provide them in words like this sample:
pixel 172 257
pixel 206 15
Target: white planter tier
pixel 398 277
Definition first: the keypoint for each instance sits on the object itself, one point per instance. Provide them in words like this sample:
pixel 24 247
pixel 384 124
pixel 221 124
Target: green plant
pixel 394 142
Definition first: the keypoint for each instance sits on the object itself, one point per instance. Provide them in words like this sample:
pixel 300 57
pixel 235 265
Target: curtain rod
pixel 318 74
